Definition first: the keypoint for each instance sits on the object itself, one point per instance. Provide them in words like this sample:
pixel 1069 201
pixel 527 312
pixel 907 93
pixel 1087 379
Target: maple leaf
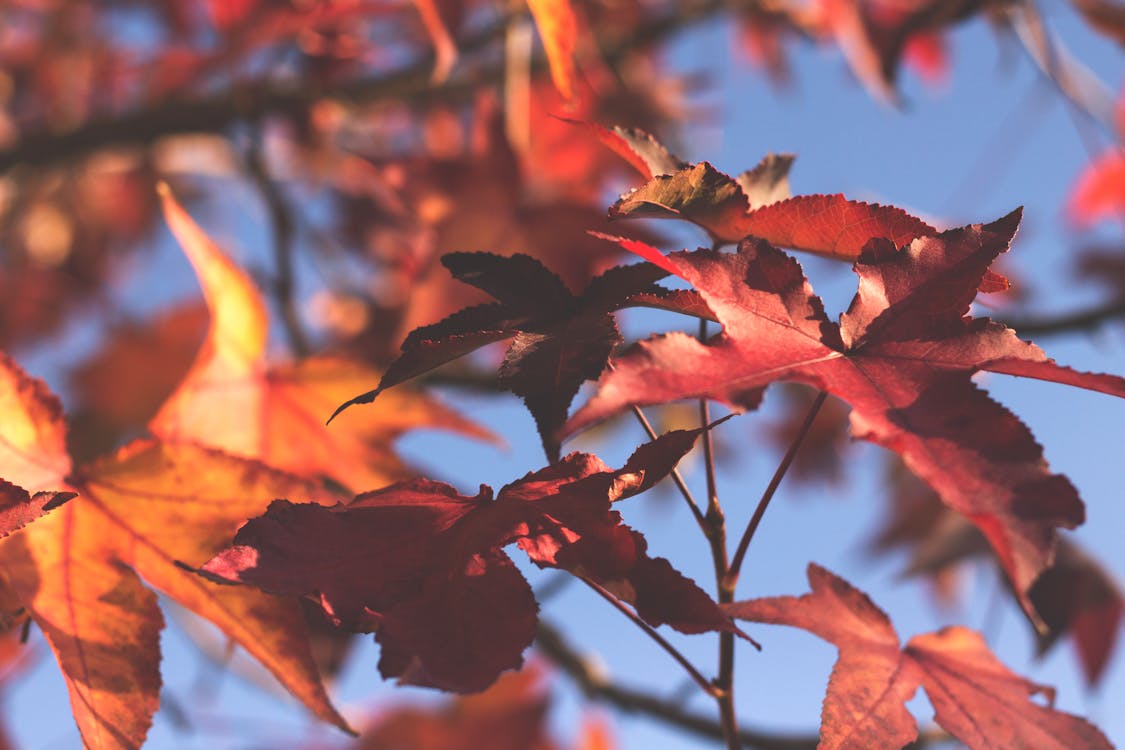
pixel 902 356
pixel 78 570
pixel 872 36
pixel 757 204
pixel 560 339
pixel 513 714
pixel 1078 597
pixel 828 225
pixel 423 566
pixel 1075 597
pixel 975 697
pixel 540 203
pixel 232 400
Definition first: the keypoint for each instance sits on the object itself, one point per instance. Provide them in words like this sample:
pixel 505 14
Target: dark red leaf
pixel 422 566
pixel 1077 596
pixel 560 339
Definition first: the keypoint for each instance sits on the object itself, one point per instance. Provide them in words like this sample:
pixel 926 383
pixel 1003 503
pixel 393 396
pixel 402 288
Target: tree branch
pixel 1083 320
pixel 596 686
pixel 258 99
pixel 281 224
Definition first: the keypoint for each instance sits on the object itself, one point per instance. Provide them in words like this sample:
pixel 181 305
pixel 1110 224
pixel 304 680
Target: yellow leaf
pixel 559 29
pixel 233 401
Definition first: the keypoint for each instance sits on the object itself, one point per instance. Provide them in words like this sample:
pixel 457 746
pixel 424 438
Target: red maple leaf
pixel 423 566
pixel 1076 597
pixel 902 356
pixel 975 697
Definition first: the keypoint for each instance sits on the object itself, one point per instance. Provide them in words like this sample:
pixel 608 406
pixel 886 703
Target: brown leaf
pixel 829 225
pixel 423 566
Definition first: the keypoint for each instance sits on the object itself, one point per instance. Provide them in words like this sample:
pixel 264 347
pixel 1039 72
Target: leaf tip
pixel 363 398
pixel 642 249
pixel 1007 224
pixel 743 635
pixel 58 500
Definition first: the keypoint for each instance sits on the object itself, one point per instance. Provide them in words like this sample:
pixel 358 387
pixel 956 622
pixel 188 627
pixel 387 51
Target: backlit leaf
pixel 975 697
pixel 902 356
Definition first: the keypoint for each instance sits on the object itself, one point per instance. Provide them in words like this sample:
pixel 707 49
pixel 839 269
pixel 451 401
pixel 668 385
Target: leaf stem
pixel 717 535
pixel 1081 320
pixel 775 482
pixel 677 477
pixel 682 660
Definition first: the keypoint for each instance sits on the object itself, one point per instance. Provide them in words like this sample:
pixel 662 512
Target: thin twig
pixel 771 489
pixel 1083 320
pixel 281 226
pixel 677 477
pixel 551 643
pixel 650 631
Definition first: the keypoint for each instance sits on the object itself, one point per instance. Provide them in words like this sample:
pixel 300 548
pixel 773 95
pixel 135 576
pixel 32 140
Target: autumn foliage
pixel 434 177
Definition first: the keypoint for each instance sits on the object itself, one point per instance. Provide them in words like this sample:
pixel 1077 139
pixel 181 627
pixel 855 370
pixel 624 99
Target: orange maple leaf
pixel 559 29
pixel 232 400
pixel 78 570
